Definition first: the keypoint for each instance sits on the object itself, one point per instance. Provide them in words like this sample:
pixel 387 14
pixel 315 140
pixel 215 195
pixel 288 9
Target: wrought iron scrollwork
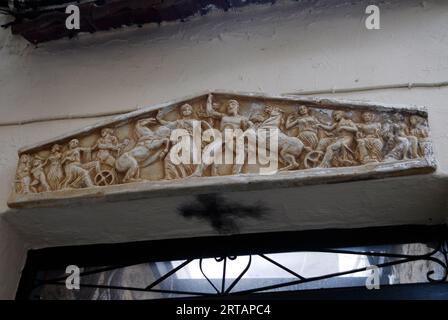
pixel 438 256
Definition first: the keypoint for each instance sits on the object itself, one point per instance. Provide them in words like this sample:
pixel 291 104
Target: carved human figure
pixel 142 154
pixel 340 145
pixel 23 174
pixel 419 129
pixel 107 145
pixel 404 146
pixel 38 174
pixel 368 139
pixel 231 119
pixel 186 122
pixel 55 173
pixel 75 170
pixel 307 125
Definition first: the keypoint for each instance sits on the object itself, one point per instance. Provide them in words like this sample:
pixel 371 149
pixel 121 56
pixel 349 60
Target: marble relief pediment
pixel 319 140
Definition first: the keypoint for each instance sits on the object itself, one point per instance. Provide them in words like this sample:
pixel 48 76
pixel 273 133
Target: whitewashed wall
pixel 273 49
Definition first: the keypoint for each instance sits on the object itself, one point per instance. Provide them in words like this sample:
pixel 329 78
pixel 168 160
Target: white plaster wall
pixel 12 258
pixel 273 49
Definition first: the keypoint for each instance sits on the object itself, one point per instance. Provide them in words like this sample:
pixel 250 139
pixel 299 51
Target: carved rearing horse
pixel 141 155
pixel 290 148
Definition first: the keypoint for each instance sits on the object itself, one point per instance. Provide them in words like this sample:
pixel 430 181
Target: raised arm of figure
pixel 291 121
pixel 161 120
pixel 327 127
pixel 210 111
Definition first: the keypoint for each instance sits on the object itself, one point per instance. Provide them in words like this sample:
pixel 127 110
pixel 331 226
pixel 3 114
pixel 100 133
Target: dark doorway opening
pixel 411 262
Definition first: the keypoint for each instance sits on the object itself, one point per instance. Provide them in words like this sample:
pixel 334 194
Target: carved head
pixel 73 143
pixel 398 117
pixel 186 110
pixel 338 115
pixel 37 162
pixel 55 148
pixel 273 111
pixel 232 107
pixel 367 116
pixel 303 110
pixel 126 142
pixel 106 131
pixel 25 158
pixel 416 120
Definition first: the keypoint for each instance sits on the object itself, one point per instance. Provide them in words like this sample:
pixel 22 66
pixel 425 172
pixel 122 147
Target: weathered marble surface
pixel 321 141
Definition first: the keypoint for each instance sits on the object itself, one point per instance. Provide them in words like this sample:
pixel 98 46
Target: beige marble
pixel 320 140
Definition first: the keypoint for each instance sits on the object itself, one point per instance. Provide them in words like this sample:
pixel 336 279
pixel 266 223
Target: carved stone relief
pixel 312 135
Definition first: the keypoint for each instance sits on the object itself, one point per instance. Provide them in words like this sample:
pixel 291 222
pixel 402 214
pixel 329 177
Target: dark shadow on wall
pixel 221 213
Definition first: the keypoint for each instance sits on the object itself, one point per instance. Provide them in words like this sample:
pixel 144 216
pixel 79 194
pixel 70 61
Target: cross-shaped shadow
pixel 220 212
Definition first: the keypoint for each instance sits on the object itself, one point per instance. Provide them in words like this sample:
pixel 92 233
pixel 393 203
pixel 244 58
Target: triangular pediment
pixel 318 140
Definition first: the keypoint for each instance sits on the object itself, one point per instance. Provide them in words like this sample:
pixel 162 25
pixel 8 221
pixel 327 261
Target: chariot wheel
pixel 312 159
pixel 104 178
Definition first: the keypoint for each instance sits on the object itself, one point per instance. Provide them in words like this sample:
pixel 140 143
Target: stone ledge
pixel 200 185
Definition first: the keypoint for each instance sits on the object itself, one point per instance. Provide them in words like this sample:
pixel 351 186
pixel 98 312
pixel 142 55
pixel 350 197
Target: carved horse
pixel 141 154
pixel 290 148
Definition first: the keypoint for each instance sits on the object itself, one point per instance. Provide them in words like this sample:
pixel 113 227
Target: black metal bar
pixel 337 274
pixel 282 266
pixel 166 275
pixel 239 276
pixel 223 284
pixel 209 281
